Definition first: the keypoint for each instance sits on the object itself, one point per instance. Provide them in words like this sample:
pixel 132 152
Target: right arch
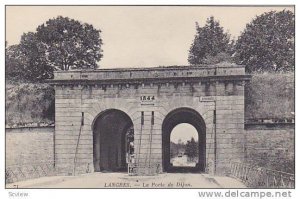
pixel 175 117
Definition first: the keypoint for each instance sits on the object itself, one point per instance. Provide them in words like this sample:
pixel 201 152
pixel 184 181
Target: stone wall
pixel 271 146
pixel 29 145
pixel 72 102
pixel 264 144
pixel 159 91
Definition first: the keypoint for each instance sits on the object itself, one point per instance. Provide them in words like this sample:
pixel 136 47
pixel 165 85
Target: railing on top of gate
pixel 260 177
pixel 17 173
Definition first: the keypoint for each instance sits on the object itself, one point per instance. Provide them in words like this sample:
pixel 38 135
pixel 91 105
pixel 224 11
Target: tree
pixel 35 64
pixel 173 149
pixel 59 44
pixel 26 61
pixel 267 43
pixel 14 62
pixel 70 44
pixel 219 58
pixel 191 149
pixel 209 41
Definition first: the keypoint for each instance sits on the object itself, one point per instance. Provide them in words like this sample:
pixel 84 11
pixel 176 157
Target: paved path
pixel 122 180
pixel 182 162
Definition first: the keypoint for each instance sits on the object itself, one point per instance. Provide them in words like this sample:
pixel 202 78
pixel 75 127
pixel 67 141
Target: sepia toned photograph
pixel 149 97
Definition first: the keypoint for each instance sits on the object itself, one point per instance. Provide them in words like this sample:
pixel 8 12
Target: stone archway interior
pixel 184 146
pixel 175 117
pixel 112 135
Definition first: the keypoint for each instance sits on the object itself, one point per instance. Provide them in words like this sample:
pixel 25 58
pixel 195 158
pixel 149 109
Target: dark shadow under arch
pixel 109 140
pixel 175 117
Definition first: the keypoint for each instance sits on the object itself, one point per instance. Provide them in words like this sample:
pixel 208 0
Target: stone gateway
pixel 108 119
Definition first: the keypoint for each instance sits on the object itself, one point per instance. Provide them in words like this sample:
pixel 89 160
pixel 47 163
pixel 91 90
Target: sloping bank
pixel 28 103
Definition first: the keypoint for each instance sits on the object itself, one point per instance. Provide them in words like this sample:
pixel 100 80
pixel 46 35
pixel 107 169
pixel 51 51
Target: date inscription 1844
pixel 147 98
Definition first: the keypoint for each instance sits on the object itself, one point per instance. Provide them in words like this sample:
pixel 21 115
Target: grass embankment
pixel 28 103
pixel 270 96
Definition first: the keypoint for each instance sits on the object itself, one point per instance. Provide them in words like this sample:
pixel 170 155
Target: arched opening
pixel 184 149
pixel 184 116
pixel 113 137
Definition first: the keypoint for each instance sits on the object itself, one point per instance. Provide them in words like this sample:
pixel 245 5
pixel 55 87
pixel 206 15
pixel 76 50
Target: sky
pixel 184 132
pixel 136 36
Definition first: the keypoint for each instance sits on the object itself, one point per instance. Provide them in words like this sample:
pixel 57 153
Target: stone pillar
pixel 229 128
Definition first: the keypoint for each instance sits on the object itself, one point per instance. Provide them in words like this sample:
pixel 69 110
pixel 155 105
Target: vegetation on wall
pixel 270 95
pixel 29 103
